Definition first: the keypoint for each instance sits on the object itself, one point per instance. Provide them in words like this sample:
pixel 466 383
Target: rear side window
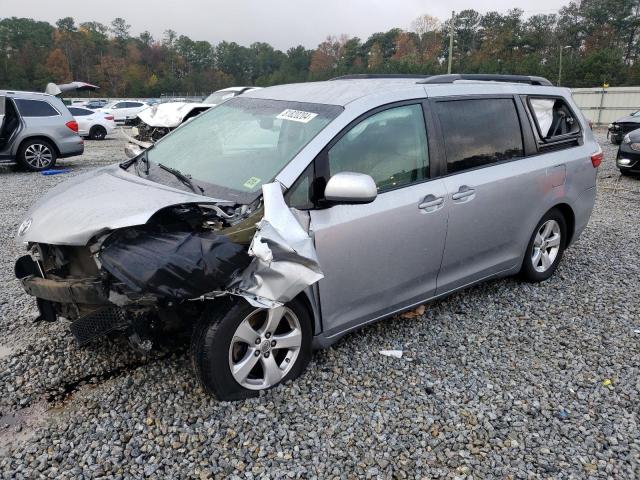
pixel 479 132
pixel 35 108
pixel 79 112
pixel 391 146
pixel 554 121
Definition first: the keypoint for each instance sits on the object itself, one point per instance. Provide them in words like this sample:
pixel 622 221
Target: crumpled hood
pixel 170 114
pixel 104 199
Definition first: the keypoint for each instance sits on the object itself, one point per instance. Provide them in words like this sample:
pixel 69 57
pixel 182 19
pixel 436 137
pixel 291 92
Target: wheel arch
pixel 308 299
pixel 570 219
pixel 38 137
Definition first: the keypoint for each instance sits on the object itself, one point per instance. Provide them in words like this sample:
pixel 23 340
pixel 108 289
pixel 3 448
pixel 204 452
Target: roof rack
pixel 487 77
pixel 365 76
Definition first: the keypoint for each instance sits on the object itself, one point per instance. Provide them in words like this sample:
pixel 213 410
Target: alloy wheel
pixel 546 246
pixel 265 347
pixel 38 155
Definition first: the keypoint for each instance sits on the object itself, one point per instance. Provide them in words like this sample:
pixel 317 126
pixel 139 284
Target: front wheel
pixel 238 350
pixel 545 247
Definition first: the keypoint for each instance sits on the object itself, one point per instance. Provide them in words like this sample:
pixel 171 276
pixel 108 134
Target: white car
pixel 93 124
pixel 124 109
pixel 156 121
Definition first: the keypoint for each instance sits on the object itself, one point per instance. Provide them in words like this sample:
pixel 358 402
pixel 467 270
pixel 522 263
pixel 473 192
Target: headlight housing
pixel 635 146
pixel 626 139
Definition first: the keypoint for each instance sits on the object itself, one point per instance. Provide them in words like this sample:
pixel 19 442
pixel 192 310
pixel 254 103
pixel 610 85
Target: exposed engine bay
pixel 150 278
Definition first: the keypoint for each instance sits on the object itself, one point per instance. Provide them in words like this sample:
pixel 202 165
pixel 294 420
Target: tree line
pixel 598 39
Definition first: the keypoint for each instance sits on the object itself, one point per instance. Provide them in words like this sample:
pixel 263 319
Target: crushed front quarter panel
pixel 284 257
pixel 170 114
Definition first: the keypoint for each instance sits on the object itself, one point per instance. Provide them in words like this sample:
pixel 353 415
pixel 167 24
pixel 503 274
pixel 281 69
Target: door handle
pixel 430 201
pixel 463 192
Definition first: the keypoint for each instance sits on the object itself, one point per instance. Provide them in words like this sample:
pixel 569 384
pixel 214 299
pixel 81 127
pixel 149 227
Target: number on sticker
pixel 297 115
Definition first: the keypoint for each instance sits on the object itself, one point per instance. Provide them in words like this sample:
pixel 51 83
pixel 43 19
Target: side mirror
pixel 350 187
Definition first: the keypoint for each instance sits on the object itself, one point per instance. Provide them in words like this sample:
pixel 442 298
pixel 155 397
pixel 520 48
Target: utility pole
pixel 453 18
pixel 562 49
pixel 560 68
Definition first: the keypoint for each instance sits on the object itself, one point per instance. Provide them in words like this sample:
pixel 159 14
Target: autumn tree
pixel 58 66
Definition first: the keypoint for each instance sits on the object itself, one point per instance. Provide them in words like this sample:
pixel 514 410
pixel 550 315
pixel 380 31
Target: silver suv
pixel 35 130
pixel 282 219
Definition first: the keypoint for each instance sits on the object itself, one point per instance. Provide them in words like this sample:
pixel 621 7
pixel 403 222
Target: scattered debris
pixel 391 353
pixel 416 312
pixel 607 382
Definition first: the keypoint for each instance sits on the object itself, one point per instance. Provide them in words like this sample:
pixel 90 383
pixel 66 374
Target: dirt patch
pixel 19 426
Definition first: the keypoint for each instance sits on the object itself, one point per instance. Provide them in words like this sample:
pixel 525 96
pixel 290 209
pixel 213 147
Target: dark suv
pixel 35 130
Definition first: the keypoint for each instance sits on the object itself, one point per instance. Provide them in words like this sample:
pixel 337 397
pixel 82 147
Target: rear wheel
pixel 97 132
pixel 238 350
pixel 545 247
pixel 36 155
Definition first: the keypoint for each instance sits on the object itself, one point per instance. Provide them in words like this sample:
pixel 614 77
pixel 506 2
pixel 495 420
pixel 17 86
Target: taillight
pixel 72 125
pixel 108 117
pixel 596 158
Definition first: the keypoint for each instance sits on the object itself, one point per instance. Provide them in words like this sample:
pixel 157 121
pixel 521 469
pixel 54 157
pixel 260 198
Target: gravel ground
pixel 504 380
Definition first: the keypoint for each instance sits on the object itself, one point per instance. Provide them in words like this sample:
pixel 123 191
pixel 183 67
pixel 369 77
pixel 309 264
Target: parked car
pixel 95 125
pixel 36 129
pixel 628 158
pixel 124 109
pixel 622 126
pixel 95 104
pixel 154 123
pixel 286 217
pixel 221 96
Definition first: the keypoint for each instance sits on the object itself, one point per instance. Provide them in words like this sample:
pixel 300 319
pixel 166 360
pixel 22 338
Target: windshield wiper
pixel 186 179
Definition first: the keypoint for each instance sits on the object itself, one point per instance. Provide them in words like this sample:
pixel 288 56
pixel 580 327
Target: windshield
pixel 219 97
pixel 238 146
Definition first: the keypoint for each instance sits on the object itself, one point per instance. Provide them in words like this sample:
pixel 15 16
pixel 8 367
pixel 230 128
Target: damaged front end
pixel 155 277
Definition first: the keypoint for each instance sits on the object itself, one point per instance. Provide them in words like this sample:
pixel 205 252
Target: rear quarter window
pixel 35 108
pixel 555 123
pixel 79 112
pixel 479 132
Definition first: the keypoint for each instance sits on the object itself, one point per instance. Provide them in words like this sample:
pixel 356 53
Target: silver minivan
pixel 35 130
pixel 280 220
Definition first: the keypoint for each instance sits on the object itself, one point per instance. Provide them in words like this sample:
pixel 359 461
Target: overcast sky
pixel 282 23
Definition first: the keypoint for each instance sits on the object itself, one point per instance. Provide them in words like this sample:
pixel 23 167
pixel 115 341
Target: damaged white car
pixel 286 217
pixel 155 122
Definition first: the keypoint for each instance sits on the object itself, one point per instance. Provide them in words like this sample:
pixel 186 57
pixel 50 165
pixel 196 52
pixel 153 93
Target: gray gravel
pixel 504 380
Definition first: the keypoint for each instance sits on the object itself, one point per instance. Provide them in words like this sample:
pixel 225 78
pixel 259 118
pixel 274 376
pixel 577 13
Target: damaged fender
pixel 284 257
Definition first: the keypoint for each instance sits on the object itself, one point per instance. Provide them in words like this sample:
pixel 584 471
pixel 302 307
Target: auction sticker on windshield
pixel 251 183
pixel 297 115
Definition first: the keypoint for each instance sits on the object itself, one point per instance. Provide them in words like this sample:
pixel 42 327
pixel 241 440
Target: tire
pixel 37 155
pixel 534 267
pixel 97 132
pixel 216 347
